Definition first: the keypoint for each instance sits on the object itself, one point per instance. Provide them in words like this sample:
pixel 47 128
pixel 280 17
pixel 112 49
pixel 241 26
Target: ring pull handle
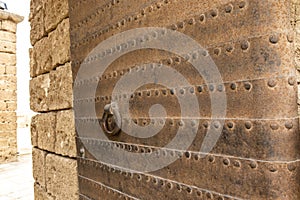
pixel 111 120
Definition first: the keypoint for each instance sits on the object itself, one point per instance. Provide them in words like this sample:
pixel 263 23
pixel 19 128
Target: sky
pixel 22 7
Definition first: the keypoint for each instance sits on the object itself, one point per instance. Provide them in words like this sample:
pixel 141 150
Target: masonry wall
pixel 53 131
pixel 8 86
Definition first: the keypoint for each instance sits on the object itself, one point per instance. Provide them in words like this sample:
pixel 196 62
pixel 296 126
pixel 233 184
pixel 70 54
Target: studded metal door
pixel 185 99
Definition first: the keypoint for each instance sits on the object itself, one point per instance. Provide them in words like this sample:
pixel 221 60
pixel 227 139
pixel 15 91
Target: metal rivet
pixel 199 193
pixel 230 125
pixel 226 162
pixel 242 4
pixel 274 126
pixel 292 81
pixel 289 125
pixel 272 83
pixel 192 21
pixel 248 86
pixel 187 154
pixel 272 168
pixel 253 164
pixel 202 18
pixel 209 195
pixel 274 39
pixel 211 158
pixel 220 88
pixel 245 45
pixel 170 185
pixel 229 49
pixel 205 124
pixel 228 8
pixel 248 125
pixel 233 86
pixel 199 88
pixel 237 163
pixel 181 25
pixel 211 88
pixel 192 90
pixel 214 13
pixel 217 125
pixel 291 167
pixel 217 51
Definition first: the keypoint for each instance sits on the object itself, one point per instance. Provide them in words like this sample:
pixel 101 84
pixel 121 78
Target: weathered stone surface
pixel 61 93
pixel 7 59
pixel 7 36
pixel 41 56
pixel 39 166
pixel 39 89
pixel 61 177
pixel 8 95
pixel 33 130
pixel 8 25
pixel 40 193
pixel 55 12
pixel 8 117
pixel 35 6
pixel 10 70
pixel 8 145
pixel 65 133
pixel 37 30
pixel 45 130
pixel 7 47
pixel 60 40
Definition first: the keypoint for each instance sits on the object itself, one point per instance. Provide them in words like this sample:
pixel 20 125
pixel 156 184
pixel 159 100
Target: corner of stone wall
pixel 53 128
pixel 8 86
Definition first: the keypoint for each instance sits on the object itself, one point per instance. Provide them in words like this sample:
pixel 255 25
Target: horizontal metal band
pixel 256 99
pixel 187 176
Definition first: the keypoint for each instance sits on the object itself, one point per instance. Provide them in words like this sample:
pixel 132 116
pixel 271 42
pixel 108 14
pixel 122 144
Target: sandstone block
pixel 39 166
pixel 35 6
pixel 61 177
pixel 4 127
pixel 61 93
pixel 10 70
pixel 39 89
pixel 7 58
pixel 7 36
pixel 65 133
pixel 40 193
pixel 7 47
pixel 8 117
pixel 55 12
pixel 37 30
pixel 11 105
pixel 60 40
pixel 8 95
pixel 42 57
pixel 8 25
pixel 45 128
pixel 33 130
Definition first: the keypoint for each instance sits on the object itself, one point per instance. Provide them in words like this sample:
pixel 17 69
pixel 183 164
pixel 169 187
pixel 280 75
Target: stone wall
pixel 8 86
pixel 53 131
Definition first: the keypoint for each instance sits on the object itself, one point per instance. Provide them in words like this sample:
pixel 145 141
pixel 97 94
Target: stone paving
pixel 16 181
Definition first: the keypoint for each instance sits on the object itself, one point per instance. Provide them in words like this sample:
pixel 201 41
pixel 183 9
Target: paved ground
pixel 16 180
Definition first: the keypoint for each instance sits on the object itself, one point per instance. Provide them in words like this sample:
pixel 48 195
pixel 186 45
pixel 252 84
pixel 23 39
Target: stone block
pixel 60 40
pixel 8 117
pixel 11 105
pixel 7 36
pixel 61 92
pixel 41 54
pixel 7 59
pixel 55 12
pixel 10 70
pixel 7 47
pixel 39 89
pixel 8 95
pixel 39 166
pixel 65 133
pixel 45 130
pixel 37 30
pixel 8 81
pixel 5 127
pixel 61 177
pixel 8 25
pixel 32 62
pixel 33 130
pixel 35 6
pixel 40 193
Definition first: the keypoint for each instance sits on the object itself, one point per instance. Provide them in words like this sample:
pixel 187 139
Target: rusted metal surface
pixel 251 43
